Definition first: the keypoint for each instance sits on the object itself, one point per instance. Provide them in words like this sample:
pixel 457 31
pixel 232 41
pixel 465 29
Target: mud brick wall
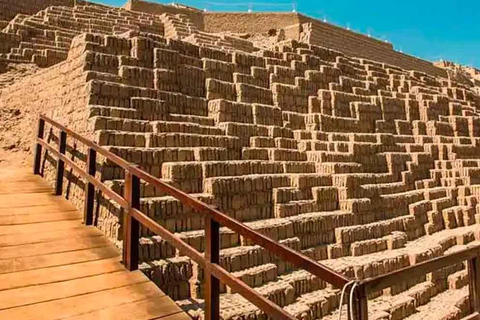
pixel 10 8
pixel 300 27
pixel 338 36
pixel 296 27
pixel 61 93
pixel 3 23
pixel 359 45
pixel 51 31
pixel 214 22
pixel 253 22
pixel 360 164
pixel 194 15
pixel 3 66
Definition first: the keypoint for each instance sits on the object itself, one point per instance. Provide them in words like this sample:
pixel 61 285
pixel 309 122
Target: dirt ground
pixel 14 148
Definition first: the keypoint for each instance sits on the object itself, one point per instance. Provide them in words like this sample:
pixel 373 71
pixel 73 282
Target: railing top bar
pixel 319 270
pixel 111 194
pixel 422 268
pixel 220 273
pixel 270 308
pixel 112 157
pixel 181 245
pixel 473 316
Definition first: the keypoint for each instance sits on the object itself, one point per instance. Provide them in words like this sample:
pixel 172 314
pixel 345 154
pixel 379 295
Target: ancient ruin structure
pixel 328 141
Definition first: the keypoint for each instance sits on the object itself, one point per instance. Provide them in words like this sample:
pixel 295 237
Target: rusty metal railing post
pixel 38 147
pixel 214 273
pixel 89 187
pixel 131 227
pixel 473 266
pixel 212 284
pixel 62 148
pixel 361 303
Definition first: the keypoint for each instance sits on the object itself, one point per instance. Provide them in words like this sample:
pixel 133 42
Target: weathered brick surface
pixel 209 29
pixel 335 164
pixel 45 38
pixel 359 164
pixel 9 9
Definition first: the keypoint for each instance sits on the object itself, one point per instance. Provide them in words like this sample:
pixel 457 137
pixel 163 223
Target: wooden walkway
pixel 54 267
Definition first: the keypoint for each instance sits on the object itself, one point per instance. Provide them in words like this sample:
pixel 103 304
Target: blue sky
pixel 432 30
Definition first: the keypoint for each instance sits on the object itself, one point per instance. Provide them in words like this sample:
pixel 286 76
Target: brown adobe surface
pixel 360 164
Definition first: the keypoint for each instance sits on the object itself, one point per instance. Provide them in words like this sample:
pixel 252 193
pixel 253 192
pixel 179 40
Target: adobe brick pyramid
pixel 328 141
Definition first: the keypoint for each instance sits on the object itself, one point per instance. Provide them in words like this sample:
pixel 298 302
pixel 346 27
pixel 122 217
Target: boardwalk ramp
pixel 54 267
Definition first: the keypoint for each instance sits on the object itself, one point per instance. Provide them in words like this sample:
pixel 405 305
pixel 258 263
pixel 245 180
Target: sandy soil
pixel 13 148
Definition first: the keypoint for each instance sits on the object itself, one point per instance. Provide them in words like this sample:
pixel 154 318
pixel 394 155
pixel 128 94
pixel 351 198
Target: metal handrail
pixel 470 254
pixel 414 271
pixel 130 202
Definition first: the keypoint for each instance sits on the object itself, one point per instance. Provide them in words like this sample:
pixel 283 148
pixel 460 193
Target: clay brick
pixel 352 161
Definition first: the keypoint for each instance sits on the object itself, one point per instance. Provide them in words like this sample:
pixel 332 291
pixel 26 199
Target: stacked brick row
pixel 179 26
pixel 311 31
pixel 45 38
pixel 359 164
pixel 327 35
pixel 9 9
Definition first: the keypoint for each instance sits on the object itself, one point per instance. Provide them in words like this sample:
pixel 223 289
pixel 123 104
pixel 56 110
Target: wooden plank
pixel 9 187
pixel 69 307
pixel 37 218
pixel 177 316
pixel 34 181
pixel 45 236
pixel 43 226
pixel 56 259
pixel 16 191
pixel 40 209
pixel 53 267
pixel 64 245
pixel 18 174
pixel 26 185
pixel 153 308
pixel 24 177
pixel 19 188
pixel 29 199
pixel 61 273
pixel 39 196
pixel 20 203
pixel 20 178
pixel 29 179
pixel 65 289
